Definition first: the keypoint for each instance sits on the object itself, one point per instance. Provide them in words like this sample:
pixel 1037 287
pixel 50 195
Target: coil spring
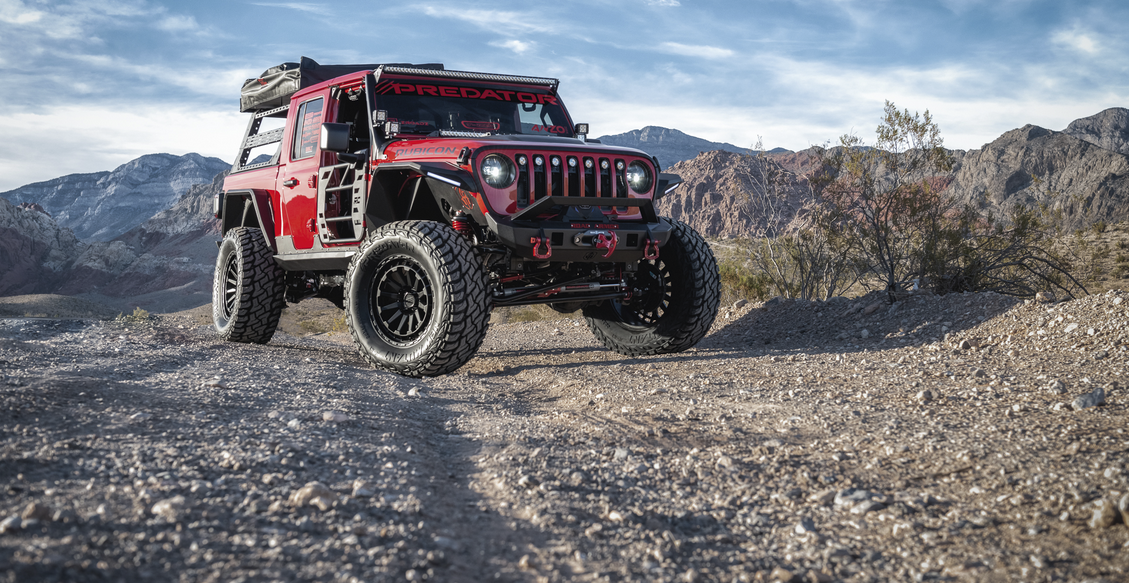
pixel 461 223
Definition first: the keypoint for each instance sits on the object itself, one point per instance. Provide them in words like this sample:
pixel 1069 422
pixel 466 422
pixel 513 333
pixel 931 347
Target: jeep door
pixel 297 176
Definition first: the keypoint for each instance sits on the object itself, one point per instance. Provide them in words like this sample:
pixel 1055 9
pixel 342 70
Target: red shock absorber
pixel 461 223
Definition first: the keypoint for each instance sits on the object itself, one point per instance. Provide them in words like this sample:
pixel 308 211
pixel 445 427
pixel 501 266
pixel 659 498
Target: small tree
pixel 885 201
pixel 889 204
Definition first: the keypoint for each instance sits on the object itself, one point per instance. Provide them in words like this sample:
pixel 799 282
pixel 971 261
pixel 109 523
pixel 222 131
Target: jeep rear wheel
pixel 415 299
pixel 247 289
pixel 674 300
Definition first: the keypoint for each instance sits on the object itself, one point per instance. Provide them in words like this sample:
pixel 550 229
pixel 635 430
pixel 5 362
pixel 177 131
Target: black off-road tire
pixel 682 290
pixel 248 288
pixel 415 299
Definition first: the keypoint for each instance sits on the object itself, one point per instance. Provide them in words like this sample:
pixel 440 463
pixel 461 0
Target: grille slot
pixel 573 176
pixel 539 186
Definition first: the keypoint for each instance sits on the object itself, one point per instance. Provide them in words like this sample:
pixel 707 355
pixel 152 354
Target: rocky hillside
pixel 717 198
pixel 104 205
pixel 1083 171
pixel 1108 129
pixel 35 253
pixel 671 146
pixel 1033 165
pixel 164 263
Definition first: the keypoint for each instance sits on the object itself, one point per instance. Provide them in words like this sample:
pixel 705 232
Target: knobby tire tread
pixel 263 288
pixel 462 334
pixel 701 267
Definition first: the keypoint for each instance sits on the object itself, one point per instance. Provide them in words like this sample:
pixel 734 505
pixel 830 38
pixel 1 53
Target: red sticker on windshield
pixel 482 126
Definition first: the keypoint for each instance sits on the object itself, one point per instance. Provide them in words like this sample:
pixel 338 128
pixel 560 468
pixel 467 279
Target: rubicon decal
pixel 440 150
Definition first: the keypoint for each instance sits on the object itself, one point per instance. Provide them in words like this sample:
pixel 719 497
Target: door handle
pixel 291 183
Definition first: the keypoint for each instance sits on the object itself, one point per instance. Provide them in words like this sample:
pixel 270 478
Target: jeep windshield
pixel 438 108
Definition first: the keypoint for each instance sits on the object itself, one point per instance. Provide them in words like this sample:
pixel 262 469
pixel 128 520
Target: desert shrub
pixel 138 316
pixel 793 255
pixel 1098 227
pixel 739 282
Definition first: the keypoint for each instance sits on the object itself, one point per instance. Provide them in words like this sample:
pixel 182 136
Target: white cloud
pixel 178 24
pixel 78 138
pixel 14 12
pixel 664 3
pixel 514 45
pixel 299 6
pixel 495 20
pixel 700 51
pixel 1077 39
pixel 201 81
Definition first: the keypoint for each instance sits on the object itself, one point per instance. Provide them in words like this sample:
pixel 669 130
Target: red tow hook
pixel 607 241
pixel 651 250
pixel 537 241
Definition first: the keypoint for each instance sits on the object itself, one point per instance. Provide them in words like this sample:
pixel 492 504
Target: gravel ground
pixel 941 438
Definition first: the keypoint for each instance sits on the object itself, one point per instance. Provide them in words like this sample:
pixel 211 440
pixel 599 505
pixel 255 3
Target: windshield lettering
pixel 464 92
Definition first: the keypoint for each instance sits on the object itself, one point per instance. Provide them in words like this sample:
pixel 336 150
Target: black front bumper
pixel 582 233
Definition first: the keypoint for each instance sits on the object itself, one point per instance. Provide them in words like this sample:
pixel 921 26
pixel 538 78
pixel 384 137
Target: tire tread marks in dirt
pixel 259 293
pixel 460 316
pixel 697 293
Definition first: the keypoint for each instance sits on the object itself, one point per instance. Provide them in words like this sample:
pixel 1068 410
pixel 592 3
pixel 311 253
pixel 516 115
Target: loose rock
pixel 1091 399
pixel 313 494
pixel 170 508
pixel 1105 515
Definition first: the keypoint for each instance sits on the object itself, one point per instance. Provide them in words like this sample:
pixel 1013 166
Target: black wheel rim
pixel 651 296
pixel 230 285
pixel 400 303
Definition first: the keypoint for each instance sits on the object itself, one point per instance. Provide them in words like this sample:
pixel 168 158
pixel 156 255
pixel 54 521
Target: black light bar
pixel 551 83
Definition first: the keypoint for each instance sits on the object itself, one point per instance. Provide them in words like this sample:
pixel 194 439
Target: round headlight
pixel 498 171
pixel 639 177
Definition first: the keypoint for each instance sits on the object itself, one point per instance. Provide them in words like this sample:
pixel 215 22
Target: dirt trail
pixel 789 445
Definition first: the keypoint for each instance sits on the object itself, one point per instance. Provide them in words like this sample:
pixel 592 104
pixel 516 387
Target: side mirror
pixel 335 137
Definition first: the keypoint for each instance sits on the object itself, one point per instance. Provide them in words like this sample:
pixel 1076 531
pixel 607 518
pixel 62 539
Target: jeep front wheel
pixel 415 299
pixel 248 288
pixel 674 300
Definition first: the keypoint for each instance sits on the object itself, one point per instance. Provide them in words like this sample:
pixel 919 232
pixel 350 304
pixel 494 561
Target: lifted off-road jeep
pixel 417 199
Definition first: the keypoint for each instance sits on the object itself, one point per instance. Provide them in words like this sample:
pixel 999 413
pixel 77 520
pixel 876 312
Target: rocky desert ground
pixel 965 437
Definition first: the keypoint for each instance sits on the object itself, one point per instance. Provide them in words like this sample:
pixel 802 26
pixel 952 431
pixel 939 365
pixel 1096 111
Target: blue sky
pixel 88 85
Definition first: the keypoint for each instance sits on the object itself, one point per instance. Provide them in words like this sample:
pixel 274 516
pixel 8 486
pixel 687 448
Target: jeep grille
pixel 547 174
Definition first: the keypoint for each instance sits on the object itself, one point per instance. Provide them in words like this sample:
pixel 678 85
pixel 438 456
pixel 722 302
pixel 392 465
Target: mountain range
pixel 672 146
pixel 143 233
pixel 1082 171
pixel 102 205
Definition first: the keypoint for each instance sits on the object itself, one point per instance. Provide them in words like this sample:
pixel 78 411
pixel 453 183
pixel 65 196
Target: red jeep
pixel 417 199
